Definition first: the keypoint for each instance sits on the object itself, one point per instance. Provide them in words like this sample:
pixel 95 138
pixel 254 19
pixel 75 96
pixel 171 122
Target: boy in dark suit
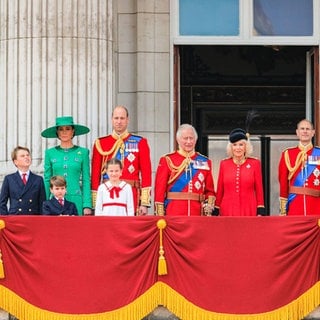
pixel 23 189
pixel 58 205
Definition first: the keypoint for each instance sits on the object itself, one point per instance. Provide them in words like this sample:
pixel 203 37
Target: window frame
pixel 245 30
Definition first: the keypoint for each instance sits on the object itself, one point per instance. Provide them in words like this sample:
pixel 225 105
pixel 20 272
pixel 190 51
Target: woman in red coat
pixel 239 188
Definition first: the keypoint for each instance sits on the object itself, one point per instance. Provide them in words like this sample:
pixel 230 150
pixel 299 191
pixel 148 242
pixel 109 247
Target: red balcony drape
pixel 107 267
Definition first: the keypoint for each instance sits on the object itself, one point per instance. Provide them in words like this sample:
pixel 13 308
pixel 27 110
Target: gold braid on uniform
pixel 300 160
pixel 119 144
pixel 178 169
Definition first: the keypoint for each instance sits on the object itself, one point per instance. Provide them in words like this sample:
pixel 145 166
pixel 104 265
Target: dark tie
pixel 60 201
pixel 24 178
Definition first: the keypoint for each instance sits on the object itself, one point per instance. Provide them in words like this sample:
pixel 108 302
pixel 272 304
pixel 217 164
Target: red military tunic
pixel 299 180
pixel 183 183
pixel 134 153
pixel 239 189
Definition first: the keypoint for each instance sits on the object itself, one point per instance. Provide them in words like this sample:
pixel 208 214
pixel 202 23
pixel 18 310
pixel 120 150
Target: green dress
pixel 73 164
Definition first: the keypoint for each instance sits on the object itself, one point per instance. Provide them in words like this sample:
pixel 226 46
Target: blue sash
pixel 198 163
pixel 303 175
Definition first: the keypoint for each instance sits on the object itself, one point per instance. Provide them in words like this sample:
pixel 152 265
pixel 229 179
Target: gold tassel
pixel 162 264
pixel 2 225
pixel 1 267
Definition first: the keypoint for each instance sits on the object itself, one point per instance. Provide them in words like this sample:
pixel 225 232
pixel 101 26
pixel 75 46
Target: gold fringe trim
pixel 161 294
pixel 162 264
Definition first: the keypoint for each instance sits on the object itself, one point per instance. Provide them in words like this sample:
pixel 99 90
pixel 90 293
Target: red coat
pixel 134 153
pixel 239 189
pixel 172 177
pixel 300 171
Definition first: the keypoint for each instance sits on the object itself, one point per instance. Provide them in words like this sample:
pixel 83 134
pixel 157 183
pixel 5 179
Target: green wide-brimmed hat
pixel 64 121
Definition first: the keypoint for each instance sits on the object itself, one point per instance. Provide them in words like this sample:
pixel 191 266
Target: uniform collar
pixel 305 148
pixel 120 136
pixel 186 154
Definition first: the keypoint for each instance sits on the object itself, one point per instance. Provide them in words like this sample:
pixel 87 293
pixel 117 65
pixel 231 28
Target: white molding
pixel 245 37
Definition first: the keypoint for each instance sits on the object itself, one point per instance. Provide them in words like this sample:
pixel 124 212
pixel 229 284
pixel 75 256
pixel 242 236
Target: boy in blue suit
pixel 58 205
pixel 23 189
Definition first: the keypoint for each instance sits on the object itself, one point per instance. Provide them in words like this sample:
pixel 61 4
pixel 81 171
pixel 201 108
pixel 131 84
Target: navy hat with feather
pixel 237 134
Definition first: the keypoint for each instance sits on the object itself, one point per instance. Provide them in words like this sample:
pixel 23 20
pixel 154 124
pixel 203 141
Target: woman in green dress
pixel 70 161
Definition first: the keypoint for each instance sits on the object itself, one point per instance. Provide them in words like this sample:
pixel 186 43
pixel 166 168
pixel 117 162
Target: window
pixel 283 17
pixel 263 22
pixel 209 17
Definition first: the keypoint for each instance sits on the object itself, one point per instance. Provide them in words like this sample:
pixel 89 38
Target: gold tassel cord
pixel 2 225
pixel 162 264
pixel 177 169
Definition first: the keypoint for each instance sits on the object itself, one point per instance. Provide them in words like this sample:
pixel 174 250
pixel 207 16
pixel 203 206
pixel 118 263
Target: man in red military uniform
pixel 299 175
pixel 133 151
pixel 184 182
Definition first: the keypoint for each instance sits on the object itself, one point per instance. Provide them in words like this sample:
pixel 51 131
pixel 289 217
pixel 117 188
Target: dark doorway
pixel 220 84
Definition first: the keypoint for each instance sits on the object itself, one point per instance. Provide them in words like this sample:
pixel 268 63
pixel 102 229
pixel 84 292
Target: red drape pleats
pixel 83 266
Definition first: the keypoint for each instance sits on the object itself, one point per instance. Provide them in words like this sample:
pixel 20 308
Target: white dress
pixel 114 200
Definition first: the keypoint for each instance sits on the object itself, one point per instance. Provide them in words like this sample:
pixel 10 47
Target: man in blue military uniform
pixel 23 189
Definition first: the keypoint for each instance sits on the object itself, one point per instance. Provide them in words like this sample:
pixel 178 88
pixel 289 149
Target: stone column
pixel 143 74
pixel 55 59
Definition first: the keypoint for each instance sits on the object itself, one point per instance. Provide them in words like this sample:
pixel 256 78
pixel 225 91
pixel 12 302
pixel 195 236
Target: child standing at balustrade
pixel 114 196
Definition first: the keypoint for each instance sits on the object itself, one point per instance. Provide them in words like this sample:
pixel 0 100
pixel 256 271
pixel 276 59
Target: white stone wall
pixel 81 58
pixel 54 61
pixel 143 76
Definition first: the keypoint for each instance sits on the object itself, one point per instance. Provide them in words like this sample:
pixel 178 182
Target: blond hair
pixel 248 150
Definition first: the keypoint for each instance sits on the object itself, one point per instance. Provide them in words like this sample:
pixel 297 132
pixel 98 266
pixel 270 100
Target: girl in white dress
pixel 114 197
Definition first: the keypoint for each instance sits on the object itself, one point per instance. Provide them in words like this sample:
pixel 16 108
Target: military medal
pixel 316 173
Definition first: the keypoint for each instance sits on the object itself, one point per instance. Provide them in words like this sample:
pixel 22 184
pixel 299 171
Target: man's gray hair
pixel 184 127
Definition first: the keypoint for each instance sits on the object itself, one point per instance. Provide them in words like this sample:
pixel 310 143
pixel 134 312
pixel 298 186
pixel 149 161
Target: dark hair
pixel 113 161
pixel 58 181
pixel 15 151
pixel 57 129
